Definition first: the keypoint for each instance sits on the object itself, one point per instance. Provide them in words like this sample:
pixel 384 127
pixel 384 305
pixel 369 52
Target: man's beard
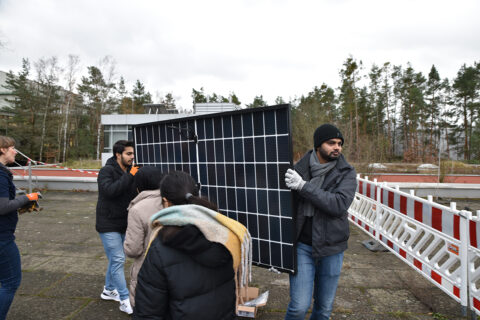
pixel 126 163
pixel 328 157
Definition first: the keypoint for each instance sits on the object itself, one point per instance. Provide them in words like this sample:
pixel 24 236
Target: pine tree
pixel 466 94
pixel 140 97
pixel 387 101
pixel 380 114
pixel 214 98
pixel 199 96
pixel 348 99
pixel 435 99
pixel 169 101
pixel 25 108
pixel 314 109
pixel 257 102
pixel 232 98
pixel 125 105
pixel 409 88
pixel 97 94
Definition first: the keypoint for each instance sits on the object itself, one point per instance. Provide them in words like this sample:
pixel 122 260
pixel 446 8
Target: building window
pixel 113 133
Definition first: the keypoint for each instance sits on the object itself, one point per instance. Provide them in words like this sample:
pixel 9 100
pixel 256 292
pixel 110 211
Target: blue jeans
pixel 115 276
pixel 10 274
pixel 317 276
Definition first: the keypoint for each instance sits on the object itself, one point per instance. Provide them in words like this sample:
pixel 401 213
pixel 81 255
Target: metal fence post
pixel 29 176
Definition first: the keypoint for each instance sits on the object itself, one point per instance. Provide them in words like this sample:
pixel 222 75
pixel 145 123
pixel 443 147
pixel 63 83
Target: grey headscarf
pixel 318 172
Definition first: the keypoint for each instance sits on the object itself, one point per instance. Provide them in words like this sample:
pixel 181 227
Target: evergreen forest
pixel 386 112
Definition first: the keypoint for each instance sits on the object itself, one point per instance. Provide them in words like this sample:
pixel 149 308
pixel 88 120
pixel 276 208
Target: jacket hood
pixel 112 161
pixel 144 195
pixel 190 240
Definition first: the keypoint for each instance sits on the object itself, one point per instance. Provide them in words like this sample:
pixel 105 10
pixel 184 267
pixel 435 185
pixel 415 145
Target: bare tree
pixel 70 78
pixel 107 67
pixel 98 92
pixel 47 76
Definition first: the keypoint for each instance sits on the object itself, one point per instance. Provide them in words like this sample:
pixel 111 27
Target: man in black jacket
pixel 324 185
pixel 115 191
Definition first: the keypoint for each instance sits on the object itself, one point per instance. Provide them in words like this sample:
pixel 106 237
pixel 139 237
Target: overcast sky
pixel 252 47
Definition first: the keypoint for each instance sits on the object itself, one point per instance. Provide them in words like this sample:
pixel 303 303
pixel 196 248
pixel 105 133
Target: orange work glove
pixel 133 170
pixel 34 196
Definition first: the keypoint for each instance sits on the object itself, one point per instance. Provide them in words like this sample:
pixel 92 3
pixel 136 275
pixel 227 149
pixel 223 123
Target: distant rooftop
pixel 203 108
pixel 158 108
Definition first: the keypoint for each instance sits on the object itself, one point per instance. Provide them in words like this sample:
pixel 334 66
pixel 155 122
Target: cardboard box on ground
pixel 249 310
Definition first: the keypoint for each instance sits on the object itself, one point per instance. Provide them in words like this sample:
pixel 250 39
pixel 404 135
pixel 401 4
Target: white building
pixel 4 93
pixel 119 126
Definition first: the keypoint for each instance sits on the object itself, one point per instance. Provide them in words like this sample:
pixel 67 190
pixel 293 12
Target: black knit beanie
pixel 325 132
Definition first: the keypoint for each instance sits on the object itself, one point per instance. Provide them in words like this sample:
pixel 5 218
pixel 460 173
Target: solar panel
pixel 240 159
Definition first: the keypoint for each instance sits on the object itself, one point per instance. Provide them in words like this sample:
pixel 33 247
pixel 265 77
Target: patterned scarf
pixel 318 172
pixel 216 228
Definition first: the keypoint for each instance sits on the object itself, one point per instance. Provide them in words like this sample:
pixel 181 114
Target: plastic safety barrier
pixel 432 238
pixel 474 263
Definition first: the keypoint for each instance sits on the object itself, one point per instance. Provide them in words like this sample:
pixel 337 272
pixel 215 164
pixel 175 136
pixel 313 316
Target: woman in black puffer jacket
pixel 184 275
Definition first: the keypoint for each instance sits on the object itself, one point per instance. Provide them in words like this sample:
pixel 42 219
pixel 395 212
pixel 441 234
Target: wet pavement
pixel 63 267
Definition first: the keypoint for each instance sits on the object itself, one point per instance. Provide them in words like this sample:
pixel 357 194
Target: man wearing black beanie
pixel 324 186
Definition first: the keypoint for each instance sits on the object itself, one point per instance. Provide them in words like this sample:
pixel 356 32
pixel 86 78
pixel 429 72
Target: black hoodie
pixel 185 276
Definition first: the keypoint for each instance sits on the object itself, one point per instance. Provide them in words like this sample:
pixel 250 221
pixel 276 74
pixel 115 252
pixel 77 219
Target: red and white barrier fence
pixel 30 161
pixel 441 243
pixel 474 262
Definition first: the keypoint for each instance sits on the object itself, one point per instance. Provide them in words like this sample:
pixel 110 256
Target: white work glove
pixel 293 180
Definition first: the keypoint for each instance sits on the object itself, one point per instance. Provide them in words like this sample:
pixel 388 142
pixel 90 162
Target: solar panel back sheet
pixel 240 159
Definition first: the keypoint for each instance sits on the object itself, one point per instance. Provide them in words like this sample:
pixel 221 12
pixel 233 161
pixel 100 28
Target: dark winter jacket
pixel 185 276
pixel 8 204
pixel 115 191
pixel 328 229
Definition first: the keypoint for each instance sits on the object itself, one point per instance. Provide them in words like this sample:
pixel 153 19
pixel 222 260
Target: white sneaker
pixel 110 294
pixel 125 306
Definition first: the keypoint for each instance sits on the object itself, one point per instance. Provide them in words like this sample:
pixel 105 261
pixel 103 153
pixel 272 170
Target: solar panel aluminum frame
pixel 190 138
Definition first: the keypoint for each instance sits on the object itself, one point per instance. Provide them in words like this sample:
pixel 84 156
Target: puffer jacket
pixel 9 204
pixel 329 225
pixel 185 276
pixel 115 191
pixel 140 210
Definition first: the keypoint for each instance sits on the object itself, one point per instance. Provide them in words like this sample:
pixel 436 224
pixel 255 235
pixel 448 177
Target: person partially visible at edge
pixel 146 203
pixel 196 261
pixel 116 189
pixel 324 185
pixel 10 266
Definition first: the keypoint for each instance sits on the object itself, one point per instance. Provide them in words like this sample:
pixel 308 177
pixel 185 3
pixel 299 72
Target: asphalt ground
pixel 63 266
